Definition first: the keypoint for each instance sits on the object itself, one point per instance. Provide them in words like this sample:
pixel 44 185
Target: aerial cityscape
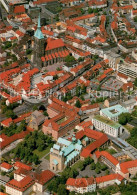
pixel 68 97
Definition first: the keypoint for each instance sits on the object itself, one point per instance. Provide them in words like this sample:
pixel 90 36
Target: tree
pixel 3 173
pixel 93 166
pixel 35 108
pixel 97 170
pixel 72 193
pixel 28 51
pixel 107 172
pixel 135 19
pixel 62 189
pixel 35 159
pixel 2 188
pixel 135 82
pixel 53 186
pixel 78 104
pixel 81 166
pixel 104 167
pixel 78 91
pixel 133 138
pixel 10 113
pixel 45 113
pixel 55 77
pixel 90 10
pixel 11 175
pixel 70 59
pixel 8 44
pixel 88 161
pixel 22 126
pixel 58 69
pixel 82 11
pixel 124 118
pixel 83 89
pixel 42 107
pixel 80 59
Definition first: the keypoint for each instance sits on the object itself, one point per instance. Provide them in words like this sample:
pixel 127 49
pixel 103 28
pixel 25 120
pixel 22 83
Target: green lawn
pixel 111 151
pixel 128 127
pixel 47 157
pixel 42 153
pixel 76 165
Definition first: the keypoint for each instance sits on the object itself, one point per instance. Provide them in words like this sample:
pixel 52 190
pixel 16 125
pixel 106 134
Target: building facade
pixel 107 126
pixel 64 153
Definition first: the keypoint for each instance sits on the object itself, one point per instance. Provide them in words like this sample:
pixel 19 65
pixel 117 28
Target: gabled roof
pixel 19 9
pixel 7 122
pixel 6 165
pixel 22 165
pixel 54 43
pixel 127 165
pixel 80 182
pixel 106 178
pixel 21 185
pixel 93 146
pixel 44 177
pixel 111 158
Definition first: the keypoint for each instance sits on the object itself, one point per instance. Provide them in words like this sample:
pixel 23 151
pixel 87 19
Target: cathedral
pixel 47 51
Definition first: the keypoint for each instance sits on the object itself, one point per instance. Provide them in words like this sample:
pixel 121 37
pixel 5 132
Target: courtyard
pixel 91 169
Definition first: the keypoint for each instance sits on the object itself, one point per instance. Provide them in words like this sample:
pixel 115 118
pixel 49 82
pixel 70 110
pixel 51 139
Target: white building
pixel 108 126
pixel 81 185
pixel 6 167
pixel 128 69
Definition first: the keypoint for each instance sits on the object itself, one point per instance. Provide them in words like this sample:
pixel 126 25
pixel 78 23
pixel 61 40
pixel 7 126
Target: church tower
pixel 39 45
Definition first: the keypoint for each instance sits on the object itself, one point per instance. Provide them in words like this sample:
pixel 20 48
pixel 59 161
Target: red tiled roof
pixel 80 182
pixel 93 146
pixel 19 9
pixel 44 177
pixel 112 159
pixel 6 122
pixel 122 75
pixel 8 140
pixel 90 107
pixel 106 178
pixel 14 99
pixel 6 165
pixel 79 134
pixel 22 117
pixel 22 165
pixel 127 165
pixel 127 85
pixel 21 185
pixel 54 43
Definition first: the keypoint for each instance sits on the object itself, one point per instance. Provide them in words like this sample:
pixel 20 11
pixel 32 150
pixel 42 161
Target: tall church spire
pixel 38 34
pixel 39 25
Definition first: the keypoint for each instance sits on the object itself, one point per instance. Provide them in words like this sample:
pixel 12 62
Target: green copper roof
pixel 63 141
pixel 114 111
pixel 38 34
pixel 55 146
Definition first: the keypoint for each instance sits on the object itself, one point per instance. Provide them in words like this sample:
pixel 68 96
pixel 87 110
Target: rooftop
pixel 107 121
pixel 114 111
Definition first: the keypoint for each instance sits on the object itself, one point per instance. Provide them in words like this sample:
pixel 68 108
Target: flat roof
pixel 107 121
pixel 114 111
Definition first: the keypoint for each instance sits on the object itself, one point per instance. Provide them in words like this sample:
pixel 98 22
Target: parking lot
pixel 112 84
